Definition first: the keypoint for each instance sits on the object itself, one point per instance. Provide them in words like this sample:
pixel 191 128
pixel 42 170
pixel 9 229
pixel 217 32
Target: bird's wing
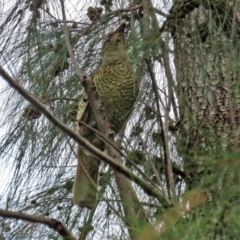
pixel 82 108
pixel 86 179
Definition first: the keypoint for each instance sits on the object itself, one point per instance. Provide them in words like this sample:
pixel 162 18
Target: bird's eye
pixel 108 39
pixel 118 40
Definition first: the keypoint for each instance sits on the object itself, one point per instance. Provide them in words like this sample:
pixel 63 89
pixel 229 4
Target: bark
pixel 208 88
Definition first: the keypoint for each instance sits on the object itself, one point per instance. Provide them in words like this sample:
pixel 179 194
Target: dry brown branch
pixel 158 11
pixel 105 129
pixel 50 222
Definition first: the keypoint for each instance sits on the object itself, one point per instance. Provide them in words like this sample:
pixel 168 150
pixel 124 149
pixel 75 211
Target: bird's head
pixel 114 45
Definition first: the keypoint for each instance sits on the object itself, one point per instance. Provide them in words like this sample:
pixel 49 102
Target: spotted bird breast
pixel 117 87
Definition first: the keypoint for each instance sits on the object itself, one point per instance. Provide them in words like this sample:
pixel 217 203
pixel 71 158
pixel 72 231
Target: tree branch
pixel 120 10
pixel 158 11
pixel 105 128
pixel 50 222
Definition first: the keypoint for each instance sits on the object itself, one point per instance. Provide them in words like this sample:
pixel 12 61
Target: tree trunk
pixel 208 86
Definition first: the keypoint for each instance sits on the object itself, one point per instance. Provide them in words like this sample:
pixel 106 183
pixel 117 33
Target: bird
pixel 117 86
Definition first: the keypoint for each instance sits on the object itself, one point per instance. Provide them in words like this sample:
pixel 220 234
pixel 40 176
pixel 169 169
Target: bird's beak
pixel 121 28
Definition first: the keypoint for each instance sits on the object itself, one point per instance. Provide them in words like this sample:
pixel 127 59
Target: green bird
pixel 117 87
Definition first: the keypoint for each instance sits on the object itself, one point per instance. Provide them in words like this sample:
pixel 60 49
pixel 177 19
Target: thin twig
pixel 152 164
pixel 67 40
pixel 64 98
pixel 158 11
pixel 105 17
pixel 120 152
pixel 168 72
pixel 168 164
pixel 146 7
pixel 166 125
pixel 120 10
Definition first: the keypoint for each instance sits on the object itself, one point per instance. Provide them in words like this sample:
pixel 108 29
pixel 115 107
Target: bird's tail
pixel 86 181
